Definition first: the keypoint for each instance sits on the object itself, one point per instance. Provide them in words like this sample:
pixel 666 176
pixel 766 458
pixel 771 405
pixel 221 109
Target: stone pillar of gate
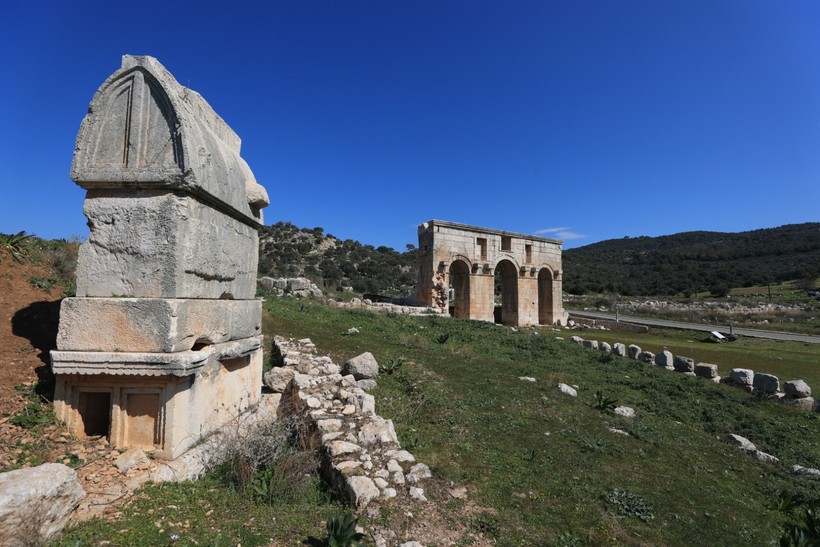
pixel 527 297
pixel 481 296
pixel 559 314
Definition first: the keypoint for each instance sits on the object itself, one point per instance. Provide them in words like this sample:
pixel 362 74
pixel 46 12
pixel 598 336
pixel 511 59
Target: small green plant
pixel 604 403
pixel 14 244
pixel 392 365
pixel 43 283
pixel 341 531
pixel 262 485
pixel 629 505
pixel 442 338
pixel 803 527
pixel 38 411
pixel 569 539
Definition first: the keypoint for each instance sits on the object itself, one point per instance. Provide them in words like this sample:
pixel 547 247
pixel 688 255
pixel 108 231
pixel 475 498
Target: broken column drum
pixel 460 264
pixel 162 343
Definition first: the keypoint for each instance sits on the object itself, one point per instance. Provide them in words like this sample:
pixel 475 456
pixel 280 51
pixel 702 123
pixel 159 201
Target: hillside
pixel 332 263
pixel 684 263
pixel 693 262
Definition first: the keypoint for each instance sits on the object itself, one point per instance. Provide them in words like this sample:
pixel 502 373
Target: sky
pixel 575 120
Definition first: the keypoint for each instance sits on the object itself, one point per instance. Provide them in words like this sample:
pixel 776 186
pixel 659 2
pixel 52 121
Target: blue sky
pixel 577 120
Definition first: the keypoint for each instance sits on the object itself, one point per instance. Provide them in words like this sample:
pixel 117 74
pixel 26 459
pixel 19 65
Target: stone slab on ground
pixel 35 503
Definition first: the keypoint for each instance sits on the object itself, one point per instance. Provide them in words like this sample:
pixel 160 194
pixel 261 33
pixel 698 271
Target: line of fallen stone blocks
pixel 362 456
pixel 796 392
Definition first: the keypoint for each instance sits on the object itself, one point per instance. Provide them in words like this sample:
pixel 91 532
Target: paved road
pixel 696 326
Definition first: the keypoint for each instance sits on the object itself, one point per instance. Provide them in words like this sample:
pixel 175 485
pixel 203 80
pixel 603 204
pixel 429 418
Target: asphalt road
pixel 772 335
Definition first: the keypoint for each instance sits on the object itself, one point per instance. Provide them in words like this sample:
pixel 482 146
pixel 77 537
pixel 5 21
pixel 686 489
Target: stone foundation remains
pixel 458 266
pixel 162 344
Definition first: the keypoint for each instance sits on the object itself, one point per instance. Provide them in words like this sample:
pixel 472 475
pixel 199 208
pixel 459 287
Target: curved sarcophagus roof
pixel 144 130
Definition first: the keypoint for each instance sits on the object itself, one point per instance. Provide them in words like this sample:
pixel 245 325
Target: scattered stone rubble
pixel 795 392
pixel 383 307
pixel 290 286
pixel 363 457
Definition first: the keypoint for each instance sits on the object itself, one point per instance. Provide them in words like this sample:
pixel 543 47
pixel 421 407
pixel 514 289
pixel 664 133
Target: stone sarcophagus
pixel 162 343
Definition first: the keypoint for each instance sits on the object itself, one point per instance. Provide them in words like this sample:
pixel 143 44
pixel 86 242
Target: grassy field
pixel 544 465
pixel 786 360
pixel 540 467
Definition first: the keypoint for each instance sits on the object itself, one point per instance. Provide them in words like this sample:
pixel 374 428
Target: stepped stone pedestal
pixel 162 343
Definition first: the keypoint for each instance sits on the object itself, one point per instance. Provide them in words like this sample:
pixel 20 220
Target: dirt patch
pixel 28 332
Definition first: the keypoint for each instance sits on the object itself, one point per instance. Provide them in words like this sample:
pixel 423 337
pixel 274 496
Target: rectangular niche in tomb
pixel 142 419
pixel 94 412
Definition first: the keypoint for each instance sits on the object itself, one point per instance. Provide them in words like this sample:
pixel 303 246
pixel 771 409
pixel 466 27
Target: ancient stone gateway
pixel 464 268
pixel 163 342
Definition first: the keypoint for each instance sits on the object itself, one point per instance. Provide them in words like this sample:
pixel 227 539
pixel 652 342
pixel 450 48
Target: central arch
pixel 460 284
pixel 545 302
pixel 506 286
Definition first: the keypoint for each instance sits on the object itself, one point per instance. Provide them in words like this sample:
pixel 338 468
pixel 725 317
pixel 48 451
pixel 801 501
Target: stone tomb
pixel 457 272
pixel 162 343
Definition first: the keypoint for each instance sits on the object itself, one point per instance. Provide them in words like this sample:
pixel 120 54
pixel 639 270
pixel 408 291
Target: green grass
pixel 202 513
pixel 541 468
pixel 785 359
pixel 543 465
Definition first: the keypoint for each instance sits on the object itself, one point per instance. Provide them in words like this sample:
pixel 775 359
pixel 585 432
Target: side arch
pixel 546 300
pixel 459 282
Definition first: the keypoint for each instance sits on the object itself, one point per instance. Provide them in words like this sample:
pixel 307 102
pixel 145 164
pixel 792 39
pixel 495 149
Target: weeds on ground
pixel 802 527
pixel 15 245
pixel 38 411
pixel 341 531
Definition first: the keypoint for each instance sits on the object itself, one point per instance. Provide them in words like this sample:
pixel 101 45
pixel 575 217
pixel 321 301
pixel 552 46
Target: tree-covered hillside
pixel 288 251
pixel 694 262
pixel 680 264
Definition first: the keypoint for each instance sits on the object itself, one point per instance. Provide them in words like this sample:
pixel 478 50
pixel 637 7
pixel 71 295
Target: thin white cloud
pixel 565 233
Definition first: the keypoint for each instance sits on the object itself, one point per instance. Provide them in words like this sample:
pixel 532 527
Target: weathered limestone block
pixel 155 244
pixel 362 366
pixel 605 347
pixel 378 432
pixel 590 344
pixel 619 349
pixel 340 448
pixel 366 384
pixel 803 403
pixel 567 390
pixel 278 378
pixel 154 324
pixel 35 503
pixel 683 364
pixel 742 376
pixel 646 357
pixel 766 383
pixel 665 359
pixel 633 351
pixel 418 473
pixel 144 130
pixel 797 389
pixel 361 491
pixel 577 340
pixel 625 411
pixel 706 370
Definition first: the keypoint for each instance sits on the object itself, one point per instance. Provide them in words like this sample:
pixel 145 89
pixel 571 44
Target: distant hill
pixel 693 262
pixel 288 251
pixel 684 263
